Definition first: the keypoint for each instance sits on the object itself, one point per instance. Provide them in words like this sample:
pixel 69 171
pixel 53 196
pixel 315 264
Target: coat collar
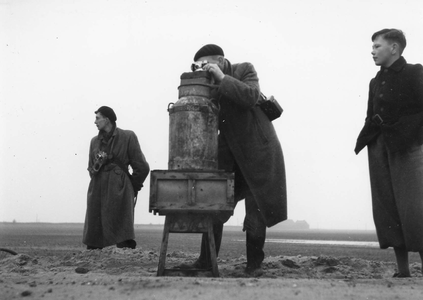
pixel 102 135
pixel 397 65
pixel 227 70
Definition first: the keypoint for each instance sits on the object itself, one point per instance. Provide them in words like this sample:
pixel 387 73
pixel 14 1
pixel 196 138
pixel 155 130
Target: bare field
pixel 52 263
pixel 56 239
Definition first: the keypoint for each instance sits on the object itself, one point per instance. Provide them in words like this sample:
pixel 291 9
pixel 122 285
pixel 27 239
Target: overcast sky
pixel 61 60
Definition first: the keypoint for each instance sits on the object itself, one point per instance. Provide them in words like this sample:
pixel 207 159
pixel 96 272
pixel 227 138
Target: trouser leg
pixel 255 229
pixel 401 255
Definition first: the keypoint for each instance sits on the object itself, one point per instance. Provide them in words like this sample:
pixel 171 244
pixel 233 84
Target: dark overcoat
pixel 396 95
pixel 110 199
pixel 248 144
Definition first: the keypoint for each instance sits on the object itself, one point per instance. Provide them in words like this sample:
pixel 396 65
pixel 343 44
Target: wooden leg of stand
pixel 163 248
pixel 210 233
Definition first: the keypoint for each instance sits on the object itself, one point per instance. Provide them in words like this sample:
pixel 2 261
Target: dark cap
pixel 208 50
pixel 108 113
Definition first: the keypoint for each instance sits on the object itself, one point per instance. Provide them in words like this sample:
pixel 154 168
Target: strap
pixel 120 165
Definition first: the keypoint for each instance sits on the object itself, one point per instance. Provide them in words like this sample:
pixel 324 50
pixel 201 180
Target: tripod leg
pixel 163 248
pixel 212 249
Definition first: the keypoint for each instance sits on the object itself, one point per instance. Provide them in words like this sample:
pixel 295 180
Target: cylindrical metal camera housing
pixel 193 125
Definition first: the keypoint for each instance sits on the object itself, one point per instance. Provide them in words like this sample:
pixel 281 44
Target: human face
pixel 214 60
pixel 101 121
pixel 384 52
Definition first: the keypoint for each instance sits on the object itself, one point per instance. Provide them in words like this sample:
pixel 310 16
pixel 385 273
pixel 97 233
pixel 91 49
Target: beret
pixel 208 50
pixel 107 112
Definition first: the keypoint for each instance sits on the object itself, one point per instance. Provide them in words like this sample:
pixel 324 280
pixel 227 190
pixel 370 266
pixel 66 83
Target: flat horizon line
pixel 161 224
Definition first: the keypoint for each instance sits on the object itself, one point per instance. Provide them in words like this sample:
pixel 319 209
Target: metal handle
pixel 168 106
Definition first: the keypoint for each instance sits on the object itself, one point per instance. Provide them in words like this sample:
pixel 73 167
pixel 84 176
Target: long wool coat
pixel 248 144
pixel 110 200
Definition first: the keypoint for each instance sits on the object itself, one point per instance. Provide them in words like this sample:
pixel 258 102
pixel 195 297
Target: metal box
pixel 188 191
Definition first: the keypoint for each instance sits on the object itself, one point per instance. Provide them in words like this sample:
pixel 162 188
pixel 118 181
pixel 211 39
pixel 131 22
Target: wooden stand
pixel 188 223
pixel 190 199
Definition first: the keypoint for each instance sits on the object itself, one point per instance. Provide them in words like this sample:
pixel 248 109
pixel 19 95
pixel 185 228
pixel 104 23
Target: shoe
pixel 401 275
pixel 254 271
pixel 127 244
pixel 93 248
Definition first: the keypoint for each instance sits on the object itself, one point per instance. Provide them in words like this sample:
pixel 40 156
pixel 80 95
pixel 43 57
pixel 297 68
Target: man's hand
pixel 215 71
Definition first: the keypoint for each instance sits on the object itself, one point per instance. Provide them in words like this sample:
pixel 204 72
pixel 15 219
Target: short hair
pixel 107 112
pixel 392 35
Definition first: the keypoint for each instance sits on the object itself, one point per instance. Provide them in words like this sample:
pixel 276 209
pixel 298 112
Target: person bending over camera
pixel 249 147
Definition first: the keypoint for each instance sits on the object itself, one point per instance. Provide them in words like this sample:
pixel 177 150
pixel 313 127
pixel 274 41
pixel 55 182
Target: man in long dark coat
pixel 393 134
pixel 248 146
pixel 110 202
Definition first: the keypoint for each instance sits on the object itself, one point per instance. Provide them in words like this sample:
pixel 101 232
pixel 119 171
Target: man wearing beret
pixel 249 147
pixel 113 190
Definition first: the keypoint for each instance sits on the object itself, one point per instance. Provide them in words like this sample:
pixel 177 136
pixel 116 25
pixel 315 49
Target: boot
pixel 204 260
pixel 132 244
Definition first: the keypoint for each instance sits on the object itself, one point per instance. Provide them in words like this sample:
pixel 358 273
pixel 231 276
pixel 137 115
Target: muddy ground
pixel 114 273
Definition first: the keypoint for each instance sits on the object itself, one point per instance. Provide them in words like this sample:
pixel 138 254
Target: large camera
pixel 99 159
pixel 198 65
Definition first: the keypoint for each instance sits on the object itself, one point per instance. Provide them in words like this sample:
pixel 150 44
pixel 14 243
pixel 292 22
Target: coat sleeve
pixel 245 91
pixel 137 162
pixel 370 129
pixel 91 156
